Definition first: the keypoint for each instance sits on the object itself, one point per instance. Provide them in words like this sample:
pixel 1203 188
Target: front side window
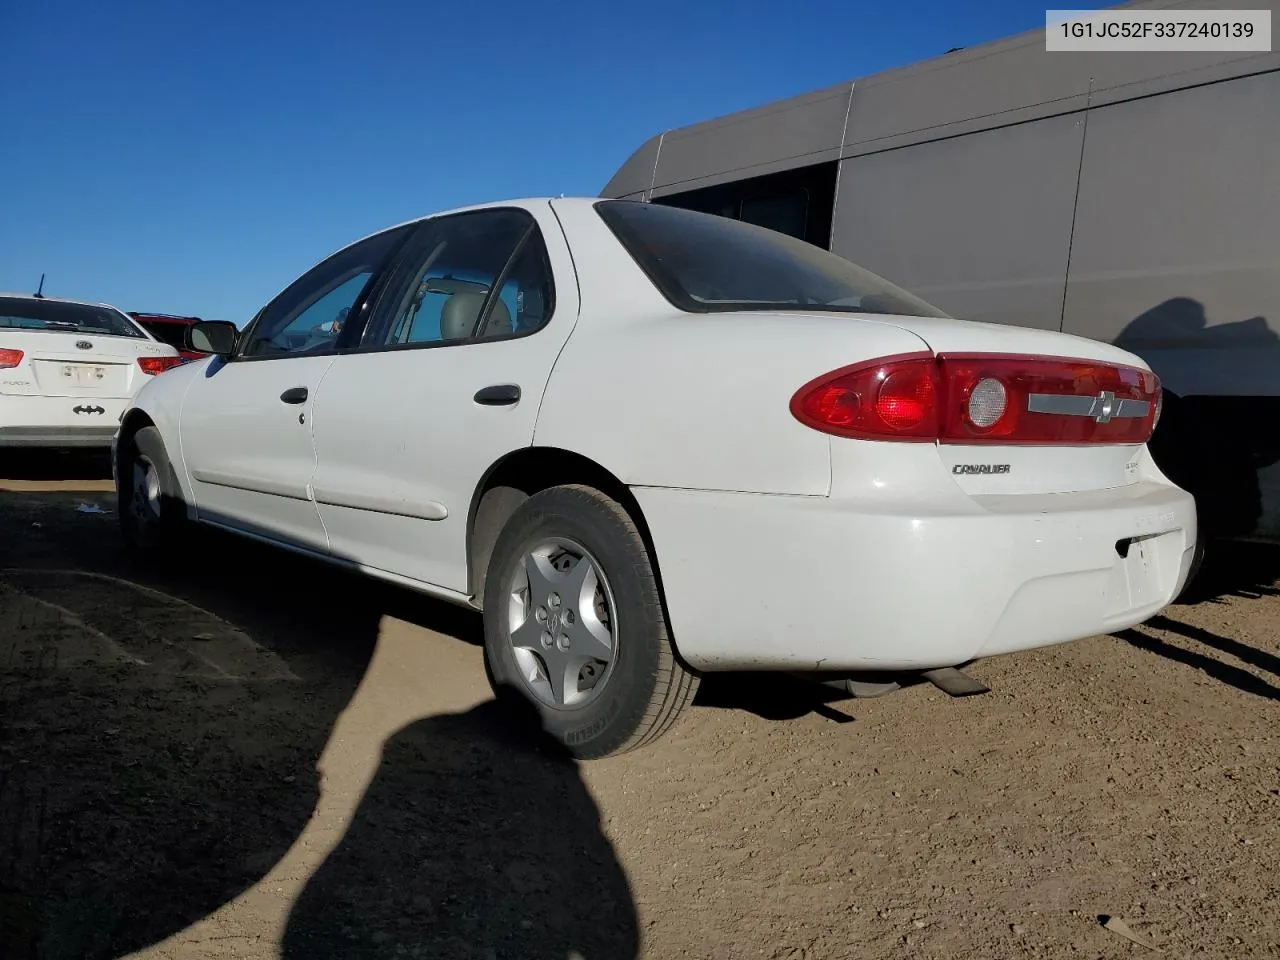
pixel 703 263
pixel 479 275
pixel 23 313
pixel 307 318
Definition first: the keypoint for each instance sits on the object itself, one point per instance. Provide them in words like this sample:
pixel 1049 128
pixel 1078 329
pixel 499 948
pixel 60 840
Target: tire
pixel 611 607
pixel 152 514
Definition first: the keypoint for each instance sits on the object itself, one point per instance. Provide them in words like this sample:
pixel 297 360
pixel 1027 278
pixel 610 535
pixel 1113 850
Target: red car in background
pixel 170 329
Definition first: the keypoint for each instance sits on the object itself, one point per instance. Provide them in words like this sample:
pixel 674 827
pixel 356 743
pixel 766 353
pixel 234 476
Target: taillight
pixel 1049 401
pixel 890 399
pixel 158 365
pixel 9 358
pixel 983 398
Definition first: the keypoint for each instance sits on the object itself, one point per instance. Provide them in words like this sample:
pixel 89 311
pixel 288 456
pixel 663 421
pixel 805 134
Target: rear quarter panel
pixel 663 398
pixel 703 402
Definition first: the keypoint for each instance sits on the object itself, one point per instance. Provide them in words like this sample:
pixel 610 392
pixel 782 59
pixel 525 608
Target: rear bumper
pixel 57 437
pixel 27 421
pixel 811 583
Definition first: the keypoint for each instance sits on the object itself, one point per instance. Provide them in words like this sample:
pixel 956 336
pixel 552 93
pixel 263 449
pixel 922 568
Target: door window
pixel 475 276
pixel 309 315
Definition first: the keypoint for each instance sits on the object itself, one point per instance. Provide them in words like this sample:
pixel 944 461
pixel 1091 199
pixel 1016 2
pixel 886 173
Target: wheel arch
pixel 519 475
pixel 135 420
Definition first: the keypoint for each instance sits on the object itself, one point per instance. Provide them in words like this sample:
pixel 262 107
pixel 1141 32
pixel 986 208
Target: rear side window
pixel 22 313
pixel 481 275
pixel 703 263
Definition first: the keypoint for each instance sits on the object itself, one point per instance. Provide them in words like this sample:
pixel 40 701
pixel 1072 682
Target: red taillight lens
pixel 158 365
pixel 9 358
pixel 981 398
pixel 1048 401
pixel 890 399
pixel 905 399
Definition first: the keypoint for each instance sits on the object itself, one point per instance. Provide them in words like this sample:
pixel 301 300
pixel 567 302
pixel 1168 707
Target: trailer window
pixel 799 202
pixel 703 263
pixel 787 213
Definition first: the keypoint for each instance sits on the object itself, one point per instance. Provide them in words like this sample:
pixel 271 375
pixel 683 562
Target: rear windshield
pixel 33 314
pixel 174 334
pixel 705 263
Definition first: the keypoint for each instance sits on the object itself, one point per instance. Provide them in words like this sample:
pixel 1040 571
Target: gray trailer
pixel 1127 197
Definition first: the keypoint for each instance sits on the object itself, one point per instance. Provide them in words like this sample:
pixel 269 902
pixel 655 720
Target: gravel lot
pixel 256 756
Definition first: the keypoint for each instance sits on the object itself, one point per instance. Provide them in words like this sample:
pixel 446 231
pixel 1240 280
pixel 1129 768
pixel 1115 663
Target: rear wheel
pixel 574 624
pixel 150 509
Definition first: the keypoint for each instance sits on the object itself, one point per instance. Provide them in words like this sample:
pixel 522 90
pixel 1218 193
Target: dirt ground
pixel 256 756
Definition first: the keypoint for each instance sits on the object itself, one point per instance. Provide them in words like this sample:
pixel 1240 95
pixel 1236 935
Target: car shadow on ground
pixel 1243 570
pixel 1260 659
pixel 1236 569
pixel 61 465
pixel 476 838
pixel 1220 670
pixel 147 780
pixel 159 738
pixel 774 696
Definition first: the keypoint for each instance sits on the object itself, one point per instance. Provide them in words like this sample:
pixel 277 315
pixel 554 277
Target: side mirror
pixel 213 336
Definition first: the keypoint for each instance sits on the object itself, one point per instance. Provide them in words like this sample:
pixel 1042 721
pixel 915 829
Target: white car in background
pixel 650 443
pixel 68 370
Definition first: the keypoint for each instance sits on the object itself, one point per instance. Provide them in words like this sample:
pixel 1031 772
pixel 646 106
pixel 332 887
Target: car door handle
pixel 500 394
pixel 294 395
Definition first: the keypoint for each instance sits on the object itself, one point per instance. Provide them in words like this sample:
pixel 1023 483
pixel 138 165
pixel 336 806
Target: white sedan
pixel 68 370
pixel 649 443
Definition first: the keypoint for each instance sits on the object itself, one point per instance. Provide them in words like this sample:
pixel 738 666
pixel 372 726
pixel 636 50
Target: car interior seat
pixel 459 314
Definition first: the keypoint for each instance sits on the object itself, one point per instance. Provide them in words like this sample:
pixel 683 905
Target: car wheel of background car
pixel 150 511
pixel 573 622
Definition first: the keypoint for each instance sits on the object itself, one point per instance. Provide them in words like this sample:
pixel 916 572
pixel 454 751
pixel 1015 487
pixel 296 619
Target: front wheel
pixel 151 514
pixel 573 623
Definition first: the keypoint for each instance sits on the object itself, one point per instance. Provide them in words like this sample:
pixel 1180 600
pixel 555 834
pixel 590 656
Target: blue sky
pixel 196 157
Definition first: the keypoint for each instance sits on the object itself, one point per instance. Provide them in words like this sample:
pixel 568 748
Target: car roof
pixel 559 201
pixel 513 201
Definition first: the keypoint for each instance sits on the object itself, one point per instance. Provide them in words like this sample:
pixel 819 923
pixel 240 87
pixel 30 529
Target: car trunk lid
pixel 69 364
pixel 1077 410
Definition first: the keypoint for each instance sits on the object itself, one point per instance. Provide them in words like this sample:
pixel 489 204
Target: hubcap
pixel 145 501
pixel 561 623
